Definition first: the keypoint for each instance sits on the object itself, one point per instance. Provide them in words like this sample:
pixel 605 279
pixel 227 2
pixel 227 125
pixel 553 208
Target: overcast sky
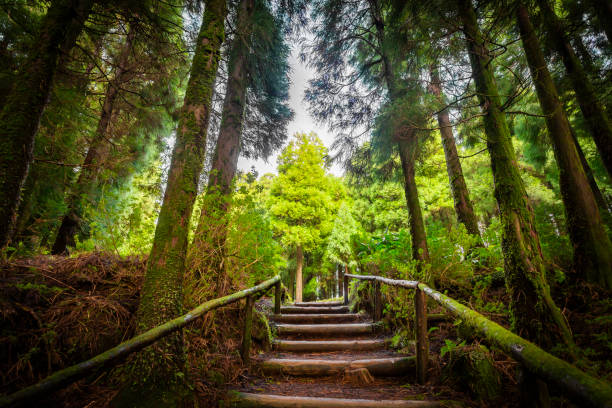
pixel 302 121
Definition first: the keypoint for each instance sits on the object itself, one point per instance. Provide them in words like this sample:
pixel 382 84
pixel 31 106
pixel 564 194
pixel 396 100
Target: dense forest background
pixel 475 138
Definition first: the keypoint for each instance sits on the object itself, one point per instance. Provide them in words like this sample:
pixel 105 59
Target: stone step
pixel 317 304
pixel 325 329
pixel 379 367
pixel 248 400
pixel 319 318
pixel 314 309
pixel 329 345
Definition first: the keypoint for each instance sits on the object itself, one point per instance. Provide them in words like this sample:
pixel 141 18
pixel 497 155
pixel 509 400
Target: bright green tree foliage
pixel 301 200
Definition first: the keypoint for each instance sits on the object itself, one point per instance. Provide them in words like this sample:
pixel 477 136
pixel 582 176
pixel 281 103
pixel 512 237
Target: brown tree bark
pixel 524 265
pixel 157 375
pixel 23 107
pixel 97 154
pixel 407 146
pixel 407 149
pixel 459 190
pixel 594 114
pixel 207 252
pixel 592 247
pixel 298 273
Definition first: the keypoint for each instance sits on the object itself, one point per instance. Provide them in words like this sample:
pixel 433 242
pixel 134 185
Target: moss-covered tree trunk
pixel 156 377
pixel 535 315
pixel 592 247
pixel 407 150
pixel 208 248
pixel 23 107
pixel 97 154
pixel 459 190
pixel 594 114
pixel 299 261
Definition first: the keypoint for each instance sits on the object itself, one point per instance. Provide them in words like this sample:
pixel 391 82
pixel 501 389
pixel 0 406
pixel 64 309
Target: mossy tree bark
pixel 97 154
pixel 594 114
pixel 23 107
pixel 298 273
pixel 534 313
pixel 207 251
pixel 157 372
pixel 407 144
pixel 592 247
pixel 459 190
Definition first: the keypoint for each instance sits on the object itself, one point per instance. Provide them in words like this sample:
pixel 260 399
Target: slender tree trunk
pixel 97 154
pixel 211 232
pixel 591 107
pixel 407 146
pixel 592 247
pixel 156 375
pixel 21 112
pixel 530 299
pixel 407 149
pixel 459 190
pixel 298 273
pixel 341 280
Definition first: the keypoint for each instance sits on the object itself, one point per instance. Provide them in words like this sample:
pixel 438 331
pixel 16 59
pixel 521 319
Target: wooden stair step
pixel 314 309
pixel 329 345
pixel 318 318
pixel 381 367
pixel 325 329
pixel 248 400
pixel 317 304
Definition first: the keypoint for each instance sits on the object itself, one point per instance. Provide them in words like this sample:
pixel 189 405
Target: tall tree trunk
pixel 97 154
pixel 211 232
pixel 459 190
pixel 341 280
pixel 407 146
pixel 407 150
pixel 23 107
pixel 591 107
pixel 523 262
pixel 157 371
pixel 592 247
pixel 530 299
pixel 298 273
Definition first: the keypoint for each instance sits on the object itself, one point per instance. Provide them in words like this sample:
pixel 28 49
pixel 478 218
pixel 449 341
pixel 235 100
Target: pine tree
pixel 157 373
pixel 23 107
pixel 301 201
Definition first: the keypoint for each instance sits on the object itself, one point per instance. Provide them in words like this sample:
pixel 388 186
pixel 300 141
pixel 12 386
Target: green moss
pixel 472 368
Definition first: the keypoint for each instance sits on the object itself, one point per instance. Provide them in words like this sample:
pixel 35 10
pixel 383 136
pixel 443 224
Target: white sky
pixel 302 121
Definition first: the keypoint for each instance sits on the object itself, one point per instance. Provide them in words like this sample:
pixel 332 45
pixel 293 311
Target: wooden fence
pixel 113 356
pixel 580 387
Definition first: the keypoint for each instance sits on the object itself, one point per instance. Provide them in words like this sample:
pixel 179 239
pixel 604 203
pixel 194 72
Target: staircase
pixel 327 357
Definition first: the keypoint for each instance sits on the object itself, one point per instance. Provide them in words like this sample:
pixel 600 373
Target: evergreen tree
pixel 301 201
pixel 157 373
pixel 23 107
pixel 257 80
pixel 592 247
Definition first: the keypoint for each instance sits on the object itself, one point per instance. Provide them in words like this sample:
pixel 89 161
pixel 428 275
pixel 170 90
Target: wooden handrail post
pixel 377 302
pixel 246 334
pixel 422 343
pixel 277 298
pixel 346 294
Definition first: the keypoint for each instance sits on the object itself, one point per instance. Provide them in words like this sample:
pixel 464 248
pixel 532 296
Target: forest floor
pixel 57 311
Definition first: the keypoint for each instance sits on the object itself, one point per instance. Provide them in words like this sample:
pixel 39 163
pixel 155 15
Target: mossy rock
pixel 471 368
pixel 260 331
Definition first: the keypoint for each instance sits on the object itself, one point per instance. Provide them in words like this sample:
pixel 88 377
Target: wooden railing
pixel 114 355
pixel 580 387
